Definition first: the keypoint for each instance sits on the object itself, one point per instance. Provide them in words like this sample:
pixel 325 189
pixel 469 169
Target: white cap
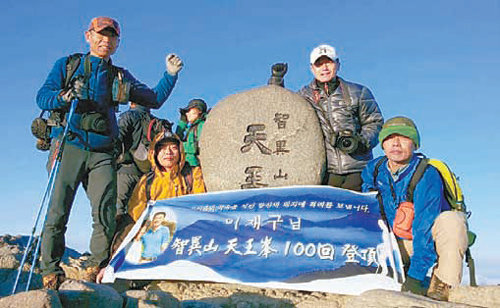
pixel 323 50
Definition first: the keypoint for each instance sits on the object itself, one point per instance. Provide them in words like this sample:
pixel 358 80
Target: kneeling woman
pixel 170 177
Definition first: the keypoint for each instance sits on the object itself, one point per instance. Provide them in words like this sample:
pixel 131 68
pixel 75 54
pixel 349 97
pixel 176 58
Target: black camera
pixel 160 126
pixel 94 122
pixel 41 130
pixel 347 142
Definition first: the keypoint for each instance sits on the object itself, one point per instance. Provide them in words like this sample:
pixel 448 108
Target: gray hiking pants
pixel 96 171
pixel 125 186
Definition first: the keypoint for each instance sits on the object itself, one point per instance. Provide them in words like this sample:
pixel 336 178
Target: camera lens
pixel 346 143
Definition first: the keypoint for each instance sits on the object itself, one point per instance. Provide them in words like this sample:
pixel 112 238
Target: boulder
pixel 394 299
pixel 212 294
pixel 37 298
pixel 74 293
pixel 146 299
pixel 11 253
pixel 484 296
pixel 8 257
pixel 264 137
pixel 8 277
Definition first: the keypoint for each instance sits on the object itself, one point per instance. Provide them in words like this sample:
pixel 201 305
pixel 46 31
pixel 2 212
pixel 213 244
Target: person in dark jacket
pixel 89 154
pixel 349 118
pixel 427 229
pixel 133 133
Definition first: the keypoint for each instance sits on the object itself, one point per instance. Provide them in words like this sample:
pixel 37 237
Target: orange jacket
pixel 166 184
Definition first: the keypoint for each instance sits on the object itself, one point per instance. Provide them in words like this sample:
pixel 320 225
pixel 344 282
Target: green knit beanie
pixel 402 126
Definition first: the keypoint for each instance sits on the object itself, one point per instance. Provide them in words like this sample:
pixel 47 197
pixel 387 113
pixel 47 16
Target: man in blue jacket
pixel 89 154
pixel 427 230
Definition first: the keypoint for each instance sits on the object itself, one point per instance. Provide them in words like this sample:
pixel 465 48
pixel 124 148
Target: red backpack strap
pixel 150 128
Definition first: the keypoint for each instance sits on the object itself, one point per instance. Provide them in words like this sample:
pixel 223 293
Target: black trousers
pixel 350 181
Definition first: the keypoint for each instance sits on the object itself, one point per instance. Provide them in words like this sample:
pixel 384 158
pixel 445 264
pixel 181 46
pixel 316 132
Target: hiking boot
pixel 53 281
pixel 438 290
pixel 90 274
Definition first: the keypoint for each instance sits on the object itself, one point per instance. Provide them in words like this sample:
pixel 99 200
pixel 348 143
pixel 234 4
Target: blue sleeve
pixel 181 130
pixel 367 176
pixel 152 98
pixel 166 236
pixel 47 97
pixel 428 199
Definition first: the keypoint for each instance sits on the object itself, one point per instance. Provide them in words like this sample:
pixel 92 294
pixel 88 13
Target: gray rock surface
pixel 8 257
pixel 211 294
pixel 75 293
pixel 11 253
pixel 36 298
pixel 202 294
pixel 147 299
pixel 264 137
pixel 205 294
pixel 484 296
pixel 8 277
pixel 393 299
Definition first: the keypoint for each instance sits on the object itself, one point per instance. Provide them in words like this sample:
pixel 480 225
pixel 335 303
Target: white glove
pixel 174 64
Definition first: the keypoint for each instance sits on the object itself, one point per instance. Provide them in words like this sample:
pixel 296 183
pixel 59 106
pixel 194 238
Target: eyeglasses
pixel 104 33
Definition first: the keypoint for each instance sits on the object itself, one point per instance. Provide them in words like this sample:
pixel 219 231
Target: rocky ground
pixel 75 293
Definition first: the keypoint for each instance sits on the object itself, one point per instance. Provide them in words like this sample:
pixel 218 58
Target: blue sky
pixel 434 61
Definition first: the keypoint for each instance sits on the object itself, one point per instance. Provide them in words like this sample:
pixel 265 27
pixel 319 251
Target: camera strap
pixel 345 91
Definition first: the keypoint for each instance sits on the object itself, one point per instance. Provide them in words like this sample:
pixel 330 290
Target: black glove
pixel 74 92
pixel 414 286
pixel 278 71
pixel 183 117
pixel 78 86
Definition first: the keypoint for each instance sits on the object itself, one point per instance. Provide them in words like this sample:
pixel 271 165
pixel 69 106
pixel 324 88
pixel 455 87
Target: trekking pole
pixel 30 240
pixel 391 236
pixel 472 268
pixel 45 201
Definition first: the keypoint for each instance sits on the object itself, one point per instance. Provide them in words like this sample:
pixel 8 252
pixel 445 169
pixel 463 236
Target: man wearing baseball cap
pixel 98 86
pixel 426 228
pixel 349 118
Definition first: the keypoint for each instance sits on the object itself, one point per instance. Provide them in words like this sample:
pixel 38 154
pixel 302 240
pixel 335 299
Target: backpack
pixel 151 126
pixel 41 126
pixel 194 129
pixel 118 86
pixel 452 192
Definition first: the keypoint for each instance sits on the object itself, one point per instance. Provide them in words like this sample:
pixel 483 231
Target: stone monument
pixel 264 137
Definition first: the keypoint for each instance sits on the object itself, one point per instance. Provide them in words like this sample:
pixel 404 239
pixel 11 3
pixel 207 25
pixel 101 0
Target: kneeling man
pixel 427 229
